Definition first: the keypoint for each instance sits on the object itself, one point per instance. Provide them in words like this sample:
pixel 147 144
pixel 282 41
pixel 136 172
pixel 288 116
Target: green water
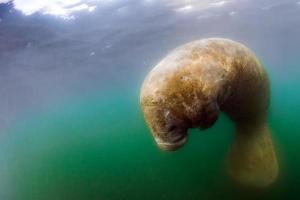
pixel 98 147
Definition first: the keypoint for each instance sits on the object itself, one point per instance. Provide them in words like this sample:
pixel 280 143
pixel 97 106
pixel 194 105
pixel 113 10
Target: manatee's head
pixel 168 128
pixel 169 124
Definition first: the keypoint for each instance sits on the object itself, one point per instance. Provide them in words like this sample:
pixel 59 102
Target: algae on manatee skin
pixel 192 84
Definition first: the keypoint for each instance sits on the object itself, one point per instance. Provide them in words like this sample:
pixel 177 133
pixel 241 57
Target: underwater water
pixel 77 130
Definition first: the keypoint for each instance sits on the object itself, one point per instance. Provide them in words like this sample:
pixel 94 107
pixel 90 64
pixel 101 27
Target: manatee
pixel 193 83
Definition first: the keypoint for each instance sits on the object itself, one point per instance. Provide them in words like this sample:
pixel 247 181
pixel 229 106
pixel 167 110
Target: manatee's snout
pixel 171 140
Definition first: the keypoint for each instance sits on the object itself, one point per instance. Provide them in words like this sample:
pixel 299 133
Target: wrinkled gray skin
pixel 196 81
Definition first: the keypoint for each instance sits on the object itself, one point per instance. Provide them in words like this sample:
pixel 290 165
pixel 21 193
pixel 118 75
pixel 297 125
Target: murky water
pixel 100 147
pixel 94 143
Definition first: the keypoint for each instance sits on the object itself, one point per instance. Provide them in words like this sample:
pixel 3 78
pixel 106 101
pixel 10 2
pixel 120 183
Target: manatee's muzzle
pixel 171 145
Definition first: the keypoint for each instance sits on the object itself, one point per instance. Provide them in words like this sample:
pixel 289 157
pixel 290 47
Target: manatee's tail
pixel 252 159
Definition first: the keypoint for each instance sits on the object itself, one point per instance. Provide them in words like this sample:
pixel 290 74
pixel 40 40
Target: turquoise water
pixel 97 146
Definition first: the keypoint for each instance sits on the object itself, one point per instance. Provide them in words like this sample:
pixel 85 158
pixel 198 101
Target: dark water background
pixel 71 123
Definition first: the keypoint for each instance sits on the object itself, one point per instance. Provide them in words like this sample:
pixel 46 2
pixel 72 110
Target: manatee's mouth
pixel 171 146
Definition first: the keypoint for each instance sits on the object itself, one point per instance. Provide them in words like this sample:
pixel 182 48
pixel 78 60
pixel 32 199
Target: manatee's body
pixel 193 83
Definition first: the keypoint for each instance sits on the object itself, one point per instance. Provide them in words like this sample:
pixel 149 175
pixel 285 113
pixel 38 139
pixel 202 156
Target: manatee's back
pixel 207 70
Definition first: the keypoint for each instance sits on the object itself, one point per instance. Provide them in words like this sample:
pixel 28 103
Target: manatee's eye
pixel 173 121
pixel 170 127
